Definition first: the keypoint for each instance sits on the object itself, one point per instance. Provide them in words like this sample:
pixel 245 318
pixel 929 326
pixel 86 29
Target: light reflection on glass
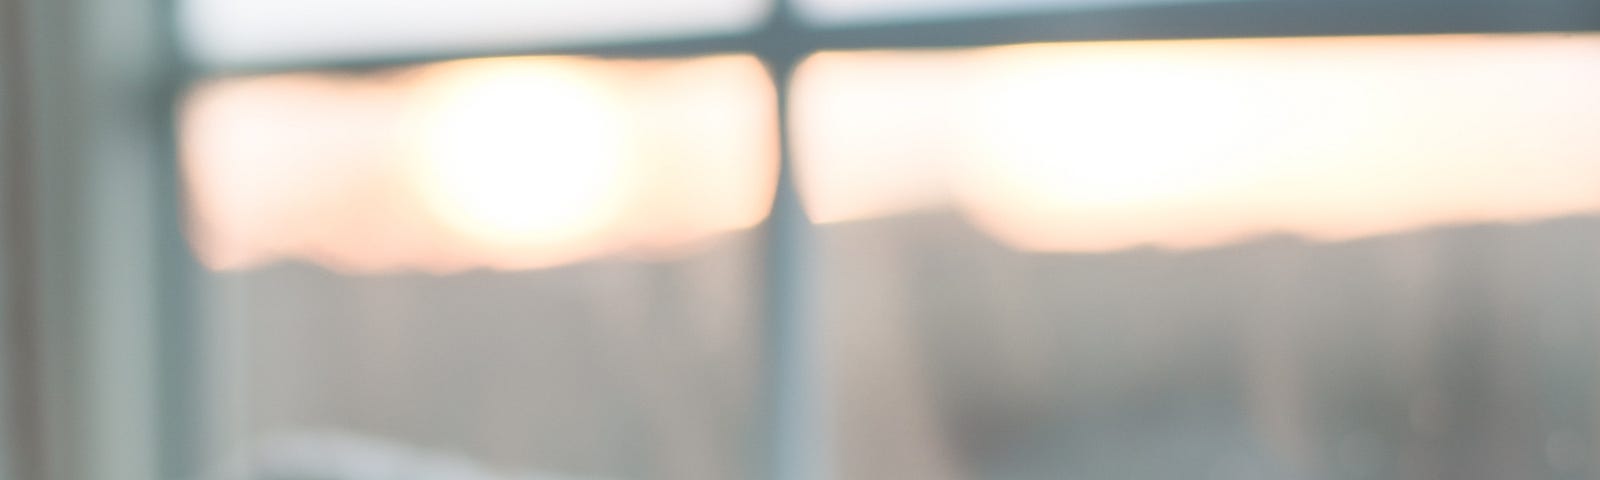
pixel 504 163
pixel 1101 146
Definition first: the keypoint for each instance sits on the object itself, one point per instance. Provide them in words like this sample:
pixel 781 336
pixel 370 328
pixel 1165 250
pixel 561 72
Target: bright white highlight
pixel 523 152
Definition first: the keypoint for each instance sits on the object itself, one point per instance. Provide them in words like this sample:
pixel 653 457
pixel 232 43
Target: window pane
pixel 828 12
pixel 486 269
pixel 1052 147
pixel 503 163
pixel 285 31
pixel 1271 258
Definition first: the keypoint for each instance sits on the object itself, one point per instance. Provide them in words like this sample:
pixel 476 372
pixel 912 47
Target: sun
pixel 522 152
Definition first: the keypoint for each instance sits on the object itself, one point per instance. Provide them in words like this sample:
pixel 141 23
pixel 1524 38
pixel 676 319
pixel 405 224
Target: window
pixel 1248 258
pixel 1204 142
pixel 704 239
pixel 506 163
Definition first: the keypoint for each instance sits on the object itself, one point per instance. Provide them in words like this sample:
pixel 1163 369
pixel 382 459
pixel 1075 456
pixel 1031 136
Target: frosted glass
pixel 261 31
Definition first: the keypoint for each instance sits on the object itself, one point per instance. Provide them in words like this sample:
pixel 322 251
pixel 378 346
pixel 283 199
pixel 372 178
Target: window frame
pixel 785 36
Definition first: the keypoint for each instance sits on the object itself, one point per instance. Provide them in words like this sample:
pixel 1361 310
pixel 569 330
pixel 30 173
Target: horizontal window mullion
pixel 1268 18
pixel 677 47
pixel 1224 20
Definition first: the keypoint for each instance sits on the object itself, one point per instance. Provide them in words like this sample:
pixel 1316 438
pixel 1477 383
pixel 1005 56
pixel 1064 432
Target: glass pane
pixel 484 269
pixel 286 31
pixel 831 12
pixel 1272 258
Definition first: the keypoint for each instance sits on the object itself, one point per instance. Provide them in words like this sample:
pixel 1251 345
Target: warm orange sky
pixel 1107 145
pixel 500 163
pixel 529 162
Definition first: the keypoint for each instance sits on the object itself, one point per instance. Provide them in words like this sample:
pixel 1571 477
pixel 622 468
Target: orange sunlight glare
pixel 521 152
pixel 503 163
pixel 1101 146
pixel 537 161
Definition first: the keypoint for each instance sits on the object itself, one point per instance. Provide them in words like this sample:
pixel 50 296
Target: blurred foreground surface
pixel 1465 352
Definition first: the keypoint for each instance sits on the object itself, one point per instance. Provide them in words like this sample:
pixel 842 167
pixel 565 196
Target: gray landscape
pixel 1455 352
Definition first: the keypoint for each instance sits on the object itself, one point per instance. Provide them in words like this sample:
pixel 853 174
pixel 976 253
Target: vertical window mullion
pixel 796 437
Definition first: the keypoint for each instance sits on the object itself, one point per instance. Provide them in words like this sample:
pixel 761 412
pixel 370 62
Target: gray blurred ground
pixel 1463 352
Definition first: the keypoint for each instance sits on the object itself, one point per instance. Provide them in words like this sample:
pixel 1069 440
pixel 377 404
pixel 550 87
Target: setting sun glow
pixel 1107 145
pixel 505 163
pixel 538 161
pixel 522 152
